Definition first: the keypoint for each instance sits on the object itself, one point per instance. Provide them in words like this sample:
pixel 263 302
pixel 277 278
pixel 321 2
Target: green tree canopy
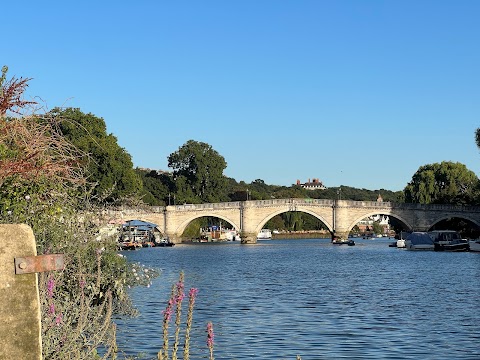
pixel 198 173
pixel 109 165
pixel 158 187
pixel 442 183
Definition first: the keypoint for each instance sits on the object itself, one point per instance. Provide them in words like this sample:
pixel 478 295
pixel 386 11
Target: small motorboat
pixel 165 242
pixel 348 242
pixel 448 240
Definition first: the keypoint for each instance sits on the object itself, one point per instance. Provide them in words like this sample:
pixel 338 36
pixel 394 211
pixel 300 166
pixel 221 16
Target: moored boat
pixel 348 242
pixel 232 235
pixel 448 240
pixel 165 242
pixel 401 237
pixel 419 241
pixel 474 245
pixel 264 234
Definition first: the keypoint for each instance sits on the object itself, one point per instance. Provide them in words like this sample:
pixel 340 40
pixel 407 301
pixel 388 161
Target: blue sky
pixel 356 93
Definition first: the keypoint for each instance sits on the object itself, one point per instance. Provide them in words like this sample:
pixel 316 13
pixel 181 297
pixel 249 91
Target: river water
pixel 282 298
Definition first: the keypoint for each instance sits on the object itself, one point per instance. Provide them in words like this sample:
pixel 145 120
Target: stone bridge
pixel 339 216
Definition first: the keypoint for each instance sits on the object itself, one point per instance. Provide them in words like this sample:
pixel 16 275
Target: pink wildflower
pixel 210 335
pixel 50 286
pixel 210 339
pixel 193 292
pixel 180 293
pixel 51 309
pixel 58 319
pixel 167 313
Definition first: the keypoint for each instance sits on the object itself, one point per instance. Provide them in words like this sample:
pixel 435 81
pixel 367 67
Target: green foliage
pixel 442 183
pixel 276 223
pixel 295 221
pixel 42 186
pixel 77 309
pixel 156 187
pixel 109 165
pixel 198 173
pixel 377 228
pixel 192 231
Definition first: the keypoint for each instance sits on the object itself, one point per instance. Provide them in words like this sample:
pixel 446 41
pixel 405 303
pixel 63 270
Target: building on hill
pixel 315 184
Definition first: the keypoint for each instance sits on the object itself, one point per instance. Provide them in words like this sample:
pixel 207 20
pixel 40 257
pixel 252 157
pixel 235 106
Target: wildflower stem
pixel 167 313
pixel 178 302
pixel 191 302
pixel 210 337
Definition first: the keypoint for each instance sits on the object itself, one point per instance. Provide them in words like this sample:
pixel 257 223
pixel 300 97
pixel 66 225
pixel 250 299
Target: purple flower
pixel 58 319
pixel 210 335
pixel 167 313
pixel 180 293
pixel 50 286
pixel 193 292
pixel 51 309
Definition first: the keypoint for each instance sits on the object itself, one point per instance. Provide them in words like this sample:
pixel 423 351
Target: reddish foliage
pixel 31 146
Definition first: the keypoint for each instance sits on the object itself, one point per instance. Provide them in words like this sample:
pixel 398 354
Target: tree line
pixel 196 174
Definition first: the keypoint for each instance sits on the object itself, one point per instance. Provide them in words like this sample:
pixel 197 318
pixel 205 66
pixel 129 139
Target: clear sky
pixel 356 93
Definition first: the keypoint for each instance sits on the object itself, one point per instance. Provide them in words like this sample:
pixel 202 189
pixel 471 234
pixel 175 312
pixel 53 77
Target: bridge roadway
pixel 249 217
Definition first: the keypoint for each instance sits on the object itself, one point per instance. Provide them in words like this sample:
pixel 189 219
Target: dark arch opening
pixel 466 228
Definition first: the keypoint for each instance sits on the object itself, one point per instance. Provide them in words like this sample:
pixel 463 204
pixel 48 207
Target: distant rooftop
pixel 315 184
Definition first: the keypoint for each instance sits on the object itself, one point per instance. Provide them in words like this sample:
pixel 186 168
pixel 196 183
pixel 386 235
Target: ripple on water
pixel 311 298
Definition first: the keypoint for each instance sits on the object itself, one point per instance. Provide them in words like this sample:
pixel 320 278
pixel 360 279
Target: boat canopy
pixel 139 224
pixel 420 238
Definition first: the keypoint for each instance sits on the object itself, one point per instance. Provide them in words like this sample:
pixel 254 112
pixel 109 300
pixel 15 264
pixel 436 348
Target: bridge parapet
pixel 208 206
pixel 286 202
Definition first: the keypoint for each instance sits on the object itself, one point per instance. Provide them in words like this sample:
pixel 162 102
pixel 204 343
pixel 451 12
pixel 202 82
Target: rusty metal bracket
pixel 40 263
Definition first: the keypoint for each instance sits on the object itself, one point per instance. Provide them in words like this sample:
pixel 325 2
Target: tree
pixel 40 179
pixel 109 165
pixel 198 173
pixel 442 183
pixel 157 187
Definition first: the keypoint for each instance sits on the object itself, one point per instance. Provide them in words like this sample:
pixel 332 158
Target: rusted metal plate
pixel 40 263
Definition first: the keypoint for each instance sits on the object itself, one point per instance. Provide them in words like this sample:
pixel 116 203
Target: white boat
pixel 401 243
pixel 232 235
pixel 474 245
pixel 264 234
pixel 419 241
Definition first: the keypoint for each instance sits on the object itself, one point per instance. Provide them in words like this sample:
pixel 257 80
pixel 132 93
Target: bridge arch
pixel 270 216
pixel 377 212
pixel 457 216
pixel 178 231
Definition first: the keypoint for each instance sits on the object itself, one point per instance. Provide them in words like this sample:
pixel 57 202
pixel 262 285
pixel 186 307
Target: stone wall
pixel 20 326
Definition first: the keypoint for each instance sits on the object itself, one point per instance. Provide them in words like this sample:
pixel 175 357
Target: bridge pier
pixel 174 238
pixel 340 234
pixel 248 238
